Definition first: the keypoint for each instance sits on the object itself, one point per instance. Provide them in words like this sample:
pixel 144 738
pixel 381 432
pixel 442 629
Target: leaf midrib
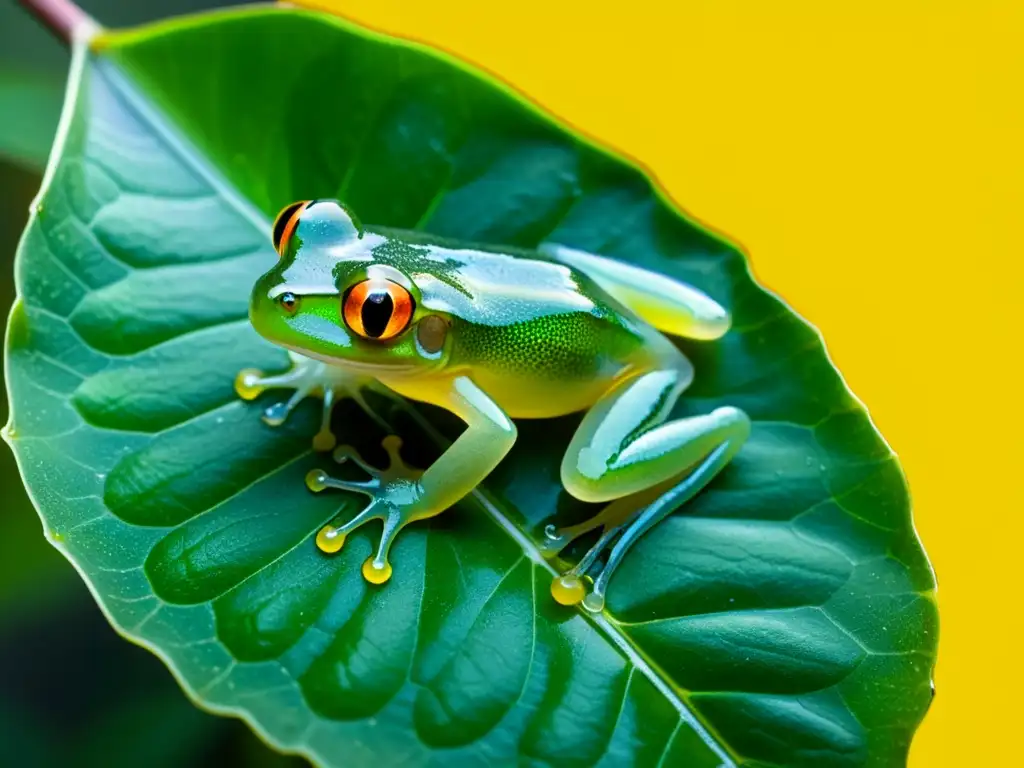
pixel 637 658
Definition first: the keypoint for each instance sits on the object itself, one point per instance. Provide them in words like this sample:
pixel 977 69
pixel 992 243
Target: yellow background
pixel 868 155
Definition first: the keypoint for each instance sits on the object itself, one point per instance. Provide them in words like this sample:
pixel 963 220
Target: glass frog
pixel 494 335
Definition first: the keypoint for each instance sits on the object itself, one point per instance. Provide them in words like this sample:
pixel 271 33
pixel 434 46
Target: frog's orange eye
pixel 377 309
pixel 285 223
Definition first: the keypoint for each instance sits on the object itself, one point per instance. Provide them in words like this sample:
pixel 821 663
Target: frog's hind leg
pixel 625 452
pixel 568 588
pixel 308 378
pixel 648 517
pixel 667 304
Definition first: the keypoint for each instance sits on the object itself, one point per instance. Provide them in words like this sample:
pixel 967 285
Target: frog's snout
pixel 261 309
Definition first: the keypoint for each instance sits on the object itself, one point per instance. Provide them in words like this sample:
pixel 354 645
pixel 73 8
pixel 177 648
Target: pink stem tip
pixel 62 17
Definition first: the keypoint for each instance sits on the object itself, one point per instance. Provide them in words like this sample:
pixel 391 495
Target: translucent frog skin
pixel 494 336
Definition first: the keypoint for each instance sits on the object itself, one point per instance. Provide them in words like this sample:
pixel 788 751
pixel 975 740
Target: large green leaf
pixel 785 617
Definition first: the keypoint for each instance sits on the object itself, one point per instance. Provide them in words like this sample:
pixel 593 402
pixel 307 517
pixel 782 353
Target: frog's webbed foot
pixel 308 378
pixel 570 588
pixel 393 494
pixel 623 522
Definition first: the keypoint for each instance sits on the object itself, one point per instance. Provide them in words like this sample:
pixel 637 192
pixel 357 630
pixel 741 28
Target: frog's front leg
pixel 400 495
pixel 309 378
pixel 625 452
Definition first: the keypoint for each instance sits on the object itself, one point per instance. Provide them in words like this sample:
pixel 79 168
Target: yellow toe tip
pixel 376 574
pixel 323 442
pixel 568 590
pixel 329 540
pixel 315 480
pixel 246 384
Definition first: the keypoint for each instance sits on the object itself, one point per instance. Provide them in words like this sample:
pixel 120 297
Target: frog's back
pixel 540 336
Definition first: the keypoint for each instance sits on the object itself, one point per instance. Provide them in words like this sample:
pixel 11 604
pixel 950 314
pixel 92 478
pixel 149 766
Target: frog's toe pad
pixel 568 589
pixel 324 441
pixel 247 384
pixel 594 602
pixel 376 573
pixel 330 540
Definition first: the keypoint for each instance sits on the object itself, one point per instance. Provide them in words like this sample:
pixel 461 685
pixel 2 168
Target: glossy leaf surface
pixel 784 618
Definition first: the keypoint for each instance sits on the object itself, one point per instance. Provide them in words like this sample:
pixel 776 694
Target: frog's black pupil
pixel 376 312
pixel 282 222
pixel 288 301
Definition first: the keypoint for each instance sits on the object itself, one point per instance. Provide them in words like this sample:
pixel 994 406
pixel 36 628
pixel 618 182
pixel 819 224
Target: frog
pixel 495 335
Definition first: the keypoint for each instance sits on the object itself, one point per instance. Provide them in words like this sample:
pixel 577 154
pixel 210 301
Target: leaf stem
pixel 62 17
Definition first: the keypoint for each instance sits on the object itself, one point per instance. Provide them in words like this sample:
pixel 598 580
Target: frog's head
pixel 330 298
